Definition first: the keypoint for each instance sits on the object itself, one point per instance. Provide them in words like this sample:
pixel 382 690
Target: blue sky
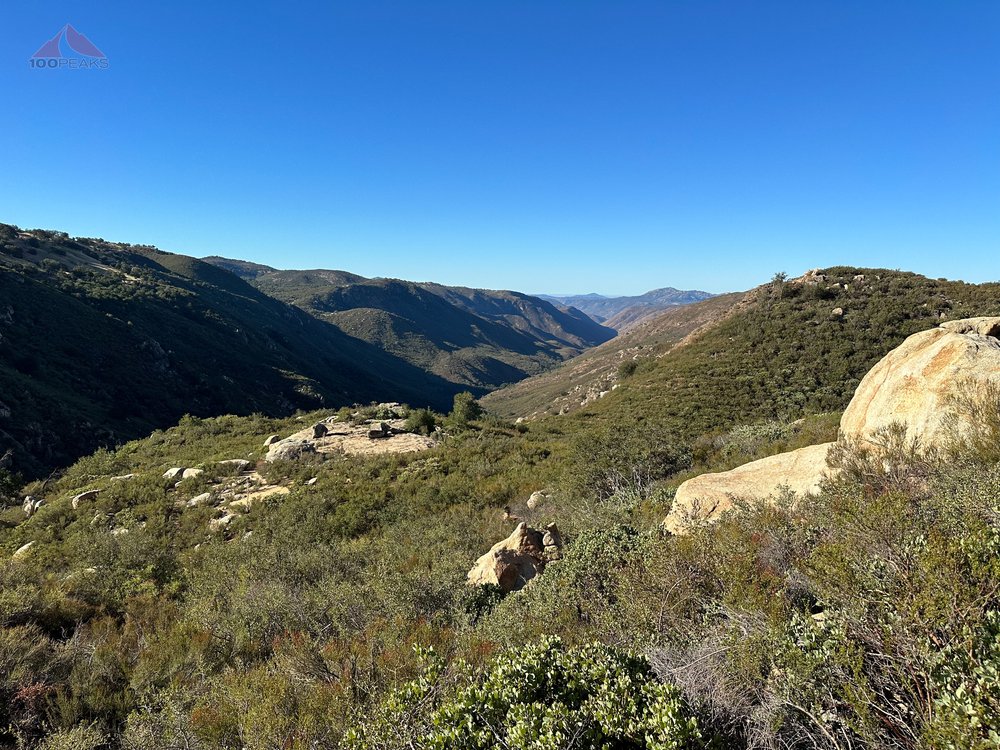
pixel 546 146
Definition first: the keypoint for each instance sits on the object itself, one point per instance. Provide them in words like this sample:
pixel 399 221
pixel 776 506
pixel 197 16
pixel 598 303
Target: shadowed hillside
pixel 102 342
pixel 478 338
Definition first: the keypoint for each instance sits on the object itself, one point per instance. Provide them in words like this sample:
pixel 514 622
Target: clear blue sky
pixel 547 146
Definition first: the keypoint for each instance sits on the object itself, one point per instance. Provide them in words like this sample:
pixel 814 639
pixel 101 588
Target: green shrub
pixel 421 421
pixel 465 409
pixel 542 697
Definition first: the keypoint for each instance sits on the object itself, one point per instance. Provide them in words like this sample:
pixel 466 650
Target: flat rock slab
pixel 353 440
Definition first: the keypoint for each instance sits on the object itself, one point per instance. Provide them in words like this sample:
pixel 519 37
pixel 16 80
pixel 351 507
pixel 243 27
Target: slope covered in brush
pixel 792 348
pixel 101 342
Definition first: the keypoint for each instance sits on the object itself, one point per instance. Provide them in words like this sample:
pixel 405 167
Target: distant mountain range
pixel 621 313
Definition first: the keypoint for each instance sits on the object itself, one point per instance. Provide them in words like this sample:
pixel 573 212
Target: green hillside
pixel 102 343
pixel 781 354
pixel 336 613
pixel 478 338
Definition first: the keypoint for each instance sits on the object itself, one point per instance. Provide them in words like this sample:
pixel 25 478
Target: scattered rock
pixel 122 478
pixel 192 473
pixel 859 278
pixel 201 499
pixel 319 430
pixel 240 464
pixel 85 497
pixel 289 450
pixel 837 312
pixel 174 473
pixel 552 542
pixel 536 499
pixel 381 430
pixel 311 482
pixel 513 562
pixel 271 440
pixel 217 524
pixel 31 505
pixel 22 551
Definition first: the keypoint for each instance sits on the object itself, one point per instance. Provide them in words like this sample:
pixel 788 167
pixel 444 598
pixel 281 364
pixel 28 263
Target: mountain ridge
pixel 605 309
pixel 479 338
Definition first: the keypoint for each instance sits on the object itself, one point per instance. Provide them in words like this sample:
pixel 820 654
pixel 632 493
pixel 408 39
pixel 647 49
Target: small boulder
pixel 192 473
pixel 381 430
pixel 837 312
pixel 217 524
pixel 201 499
pixel 553 543
pixel 289 450
pixel 271 440
pixel 240 464
pixel 84 497
pixel 174 473
pixel 536 499
pixel 123 478
pixel 31 505
pixel 22 551
pixel 319 430
pixel 512 562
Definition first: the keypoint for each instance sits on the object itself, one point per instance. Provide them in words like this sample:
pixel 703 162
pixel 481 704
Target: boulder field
pixel 916 385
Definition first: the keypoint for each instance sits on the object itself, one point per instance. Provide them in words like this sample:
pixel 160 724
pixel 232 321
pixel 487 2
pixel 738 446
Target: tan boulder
pixel 708 496
pixel 84 497
pixel 22 551
pixel 514 561
pixel 916 382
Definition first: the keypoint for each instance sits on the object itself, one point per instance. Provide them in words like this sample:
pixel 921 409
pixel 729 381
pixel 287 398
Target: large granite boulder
pixel 918 384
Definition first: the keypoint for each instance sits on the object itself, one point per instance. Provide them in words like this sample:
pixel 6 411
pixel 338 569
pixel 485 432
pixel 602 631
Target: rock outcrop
pixel 708 496
pixel 84 497
pixel 288 450
pixel 916 384
pixel 31 505
pixel 514 561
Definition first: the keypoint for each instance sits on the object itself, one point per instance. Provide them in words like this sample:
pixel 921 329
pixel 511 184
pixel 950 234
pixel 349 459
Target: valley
pixel 321 563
